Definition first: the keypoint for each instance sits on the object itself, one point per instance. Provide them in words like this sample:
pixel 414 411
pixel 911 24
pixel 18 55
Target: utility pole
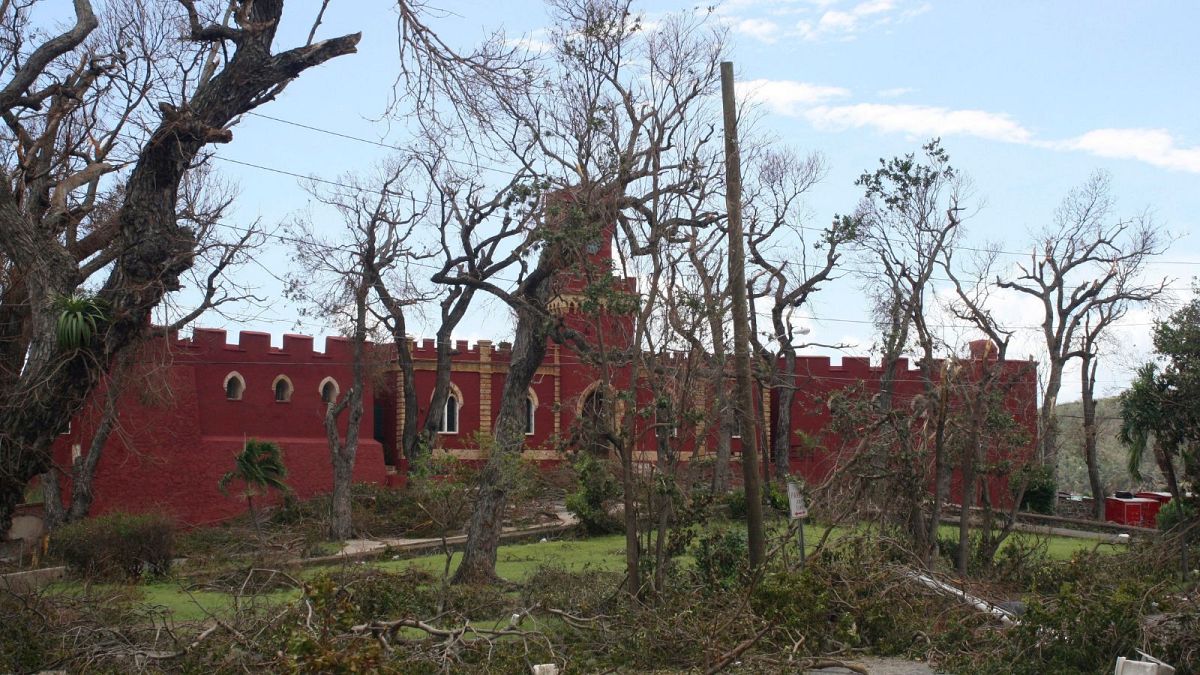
pixel 741 321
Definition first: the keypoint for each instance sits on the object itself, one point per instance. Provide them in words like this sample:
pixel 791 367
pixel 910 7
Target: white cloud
pixel 1153 146
pixel 763 30
pixel 816 20
pixel 812 102
pixel 919 120
pixel 789 97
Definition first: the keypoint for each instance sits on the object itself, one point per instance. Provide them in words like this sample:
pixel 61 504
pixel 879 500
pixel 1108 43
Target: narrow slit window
pixel 530 407
pixel 450 415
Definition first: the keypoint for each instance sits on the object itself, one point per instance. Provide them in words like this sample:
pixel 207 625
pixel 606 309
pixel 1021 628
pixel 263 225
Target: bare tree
pixel 981 388
pixel 337 279
pixel 82 115
pixel 793 267
pixel 560 246
pixel 480 228
pixel 1082 262
pixel 1095 327
pixel 623 120
pixel 696 306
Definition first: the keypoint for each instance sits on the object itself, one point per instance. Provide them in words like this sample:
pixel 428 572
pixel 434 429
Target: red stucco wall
pixel 178 433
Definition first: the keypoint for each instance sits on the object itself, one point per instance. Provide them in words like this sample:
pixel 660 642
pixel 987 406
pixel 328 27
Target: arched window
pixel 450 415
pixel 329 390
pixel 283 389
pixel 235 386
pixel 530 408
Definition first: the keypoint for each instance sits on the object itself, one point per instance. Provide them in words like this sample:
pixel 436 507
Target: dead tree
pixel 558 242
pixel 1082 261
pixel 476 226
pixel 338 275
pixel 696 306
pixel 621 117
pixel 56 173
pixel 980 388
pixel 793 266
pixel 1092 332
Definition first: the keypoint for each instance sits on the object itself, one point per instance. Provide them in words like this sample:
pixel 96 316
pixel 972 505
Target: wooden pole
pixel 741 321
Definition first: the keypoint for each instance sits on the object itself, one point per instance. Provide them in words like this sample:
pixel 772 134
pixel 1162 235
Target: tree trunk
pixel 408 385
pixel 341 524
pixel 154 248
pixel 483 530
pixel 1048 420
pixel 343 453
pixel 970 456
pixel 52 505
pixel 1087 372
pixel 785 396
pixel 724 442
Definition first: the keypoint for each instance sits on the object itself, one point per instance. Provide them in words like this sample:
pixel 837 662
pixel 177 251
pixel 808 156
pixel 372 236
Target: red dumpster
pixel 1135 511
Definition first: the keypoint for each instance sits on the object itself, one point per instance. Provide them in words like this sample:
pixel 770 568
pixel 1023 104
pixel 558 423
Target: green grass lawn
pixel 515 562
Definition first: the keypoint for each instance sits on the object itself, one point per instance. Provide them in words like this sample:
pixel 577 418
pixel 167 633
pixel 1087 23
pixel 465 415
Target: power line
pixel 416 263
pixel 423 202
pixel 338 134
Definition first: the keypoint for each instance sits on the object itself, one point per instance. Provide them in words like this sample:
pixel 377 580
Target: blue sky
pixel 1028 97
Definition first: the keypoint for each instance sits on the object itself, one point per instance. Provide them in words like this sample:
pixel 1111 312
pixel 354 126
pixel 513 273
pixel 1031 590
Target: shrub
pixel 722 558
pixel 1040 489
pixel 25 645
pixel 597 487
pixel 586 592
pixel 736 502
pixel 773 499
pixel 1174 513
pixel 116 545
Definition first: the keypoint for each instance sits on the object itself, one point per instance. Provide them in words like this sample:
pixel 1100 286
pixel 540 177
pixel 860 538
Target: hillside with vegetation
pixel 1114 472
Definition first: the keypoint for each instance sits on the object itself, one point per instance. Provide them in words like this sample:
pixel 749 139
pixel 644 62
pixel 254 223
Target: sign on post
pixel 799 511
pixel 796 501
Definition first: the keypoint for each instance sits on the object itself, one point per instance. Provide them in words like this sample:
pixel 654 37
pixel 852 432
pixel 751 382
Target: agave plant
pixel 79 316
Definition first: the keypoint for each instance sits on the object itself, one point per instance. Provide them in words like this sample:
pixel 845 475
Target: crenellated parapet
pixel 212 344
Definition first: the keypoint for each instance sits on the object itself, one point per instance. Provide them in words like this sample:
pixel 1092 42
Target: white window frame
pixel 234 375
pixel 291 389
pixel 444 427
pixel 337 390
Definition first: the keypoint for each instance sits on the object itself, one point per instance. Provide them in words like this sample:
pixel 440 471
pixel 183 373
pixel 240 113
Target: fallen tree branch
pixel 737 651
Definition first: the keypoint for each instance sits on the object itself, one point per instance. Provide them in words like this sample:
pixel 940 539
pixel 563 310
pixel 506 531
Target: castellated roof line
pixel 212 345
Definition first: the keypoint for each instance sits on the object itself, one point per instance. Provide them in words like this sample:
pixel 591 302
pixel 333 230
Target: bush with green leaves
pixel 735 502
pixel 773 500
pixel 1041 491
pixel 1175 512
pixel 598 487
pixel 722 558
pixel 117 546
